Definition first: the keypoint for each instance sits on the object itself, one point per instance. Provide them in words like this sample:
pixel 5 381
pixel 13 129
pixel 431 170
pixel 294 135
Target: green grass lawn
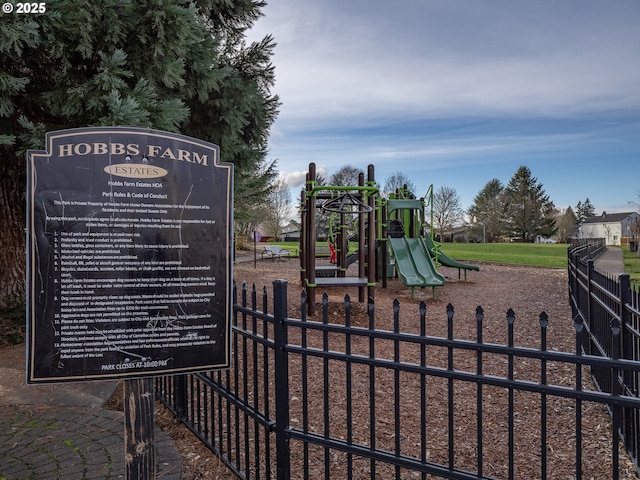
pixel 632 266
pixel 536 254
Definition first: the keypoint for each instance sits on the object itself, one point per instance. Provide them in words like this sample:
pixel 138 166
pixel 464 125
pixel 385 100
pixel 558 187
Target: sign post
pixel 256 236
pixel 139 426
pixel 129 264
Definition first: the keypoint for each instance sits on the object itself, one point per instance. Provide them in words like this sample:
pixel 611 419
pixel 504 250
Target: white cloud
pixel 336 60
pixel 293 179
pixel 297 179
pixel 350 72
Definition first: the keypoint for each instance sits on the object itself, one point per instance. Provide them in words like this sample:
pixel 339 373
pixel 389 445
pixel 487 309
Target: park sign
pixel 129 264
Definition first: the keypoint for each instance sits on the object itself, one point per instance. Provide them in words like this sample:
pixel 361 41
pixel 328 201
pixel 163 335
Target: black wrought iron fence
pixel 335 398
pixel 610 312
pixel 584 249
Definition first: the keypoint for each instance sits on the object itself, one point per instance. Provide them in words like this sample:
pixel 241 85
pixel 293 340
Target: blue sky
pixel 458 92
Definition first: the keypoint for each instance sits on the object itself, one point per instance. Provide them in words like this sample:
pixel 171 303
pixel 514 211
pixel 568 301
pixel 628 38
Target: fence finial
pixel 544 319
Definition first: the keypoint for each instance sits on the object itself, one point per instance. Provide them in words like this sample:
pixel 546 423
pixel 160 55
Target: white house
pixel 615 228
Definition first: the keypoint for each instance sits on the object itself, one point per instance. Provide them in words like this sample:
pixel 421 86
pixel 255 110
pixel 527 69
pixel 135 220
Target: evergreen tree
pixel 488 210
pixel 529 208
pixel 584 210
pixel 172 65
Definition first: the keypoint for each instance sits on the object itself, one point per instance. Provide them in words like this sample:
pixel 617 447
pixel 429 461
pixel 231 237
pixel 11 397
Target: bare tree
pixel 279 209
pixel 347 176
pixel 447 209
pixel 250 221
pixel 636 203
pixel 566 223
pixel 396 181
pixel 607 231
pixel 634 228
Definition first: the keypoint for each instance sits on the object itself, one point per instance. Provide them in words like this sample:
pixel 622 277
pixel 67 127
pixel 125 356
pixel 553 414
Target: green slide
pixel 444 259
pixel 414 264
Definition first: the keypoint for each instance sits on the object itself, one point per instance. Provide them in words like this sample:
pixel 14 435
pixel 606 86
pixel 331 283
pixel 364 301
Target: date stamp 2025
pixel 24 7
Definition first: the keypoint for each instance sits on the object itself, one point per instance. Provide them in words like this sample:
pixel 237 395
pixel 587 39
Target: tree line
pixel 520 210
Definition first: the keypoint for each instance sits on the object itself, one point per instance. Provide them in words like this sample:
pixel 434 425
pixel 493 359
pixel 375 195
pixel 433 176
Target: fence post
pixel 629 387
pixel 624 284
pixel 281 370
pixel 572 269
pixel 578 323
pixel 615 392
pixel 589 292
pixel 180 396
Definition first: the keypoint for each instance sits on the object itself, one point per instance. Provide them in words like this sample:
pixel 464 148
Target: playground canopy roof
pixel 404 204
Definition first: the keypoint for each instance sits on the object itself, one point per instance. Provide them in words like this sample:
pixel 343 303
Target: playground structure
pixel 390 236
pixel 349 204
pixel 412 259
pixel 417 255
